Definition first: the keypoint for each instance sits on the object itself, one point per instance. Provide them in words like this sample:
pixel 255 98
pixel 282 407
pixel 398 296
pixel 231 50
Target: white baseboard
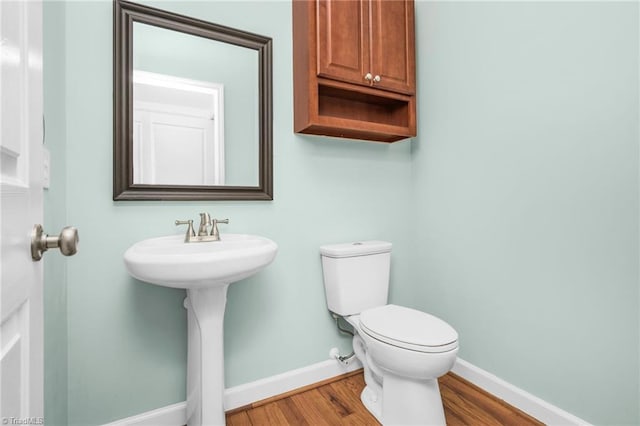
pixel 238 396
pixel 524 401
pixel 241 395
pixel 171 415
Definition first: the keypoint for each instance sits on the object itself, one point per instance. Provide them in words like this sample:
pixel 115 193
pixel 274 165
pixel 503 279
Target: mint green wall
pixel 525 178
pixel 127 339
pixel 55 218
pixel 514 216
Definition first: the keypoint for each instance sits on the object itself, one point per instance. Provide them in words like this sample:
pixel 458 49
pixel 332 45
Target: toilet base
pixel 405 402
pixel 411 402
pixel 371 403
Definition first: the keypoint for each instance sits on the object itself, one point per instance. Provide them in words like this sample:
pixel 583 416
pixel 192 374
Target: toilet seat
pixel 408 329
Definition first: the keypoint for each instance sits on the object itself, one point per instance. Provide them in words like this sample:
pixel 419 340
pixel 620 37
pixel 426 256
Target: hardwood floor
pixel 337 402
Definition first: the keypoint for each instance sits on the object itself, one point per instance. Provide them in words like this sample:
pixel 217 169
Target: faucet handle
pixel 190 231
pixel 214 229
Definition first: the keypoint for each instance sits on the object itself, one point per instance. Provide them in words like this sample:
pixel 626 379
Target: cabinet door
pixel 343 40
pixel 393 45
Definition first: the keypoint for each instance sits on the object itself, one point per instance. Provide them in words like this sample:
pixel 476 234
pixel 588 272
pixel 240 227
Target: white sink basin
pixel 170 262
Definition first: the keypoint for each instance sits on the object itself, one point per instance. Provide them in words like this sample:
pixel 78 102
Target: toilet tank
pixel 356 275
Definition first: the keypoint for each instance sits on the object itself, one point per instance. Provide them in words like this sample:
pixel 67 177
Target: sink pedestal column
pixel 205 355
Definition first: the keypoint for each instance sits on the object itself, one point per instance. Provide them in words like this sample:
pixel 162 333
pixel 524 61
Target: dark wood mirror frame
pixel 125 14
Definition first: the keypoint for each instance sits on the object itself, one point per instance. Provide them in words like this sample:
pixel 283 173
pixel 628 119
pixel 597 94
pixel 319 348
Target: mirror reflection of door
pixel 178 131
pixel 178 84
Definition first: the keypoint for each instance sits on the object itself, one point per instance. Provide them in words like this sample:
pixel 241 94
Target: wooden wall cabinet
pixel 354 68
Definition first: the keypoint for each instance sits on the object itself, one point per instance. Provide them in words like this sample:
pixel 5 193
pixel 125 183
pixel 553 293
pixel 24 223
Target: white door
pixel 21 176
pixel 172 149
pixel 178 130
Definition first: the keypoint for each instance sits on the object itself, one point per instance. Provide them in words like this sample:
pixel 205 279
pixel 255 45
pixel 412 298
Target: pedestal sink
pixel 205 270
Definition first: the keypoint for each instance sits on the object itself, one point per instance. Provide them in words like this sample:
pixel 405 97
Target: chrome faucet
pixel 205 221
pixel 203 230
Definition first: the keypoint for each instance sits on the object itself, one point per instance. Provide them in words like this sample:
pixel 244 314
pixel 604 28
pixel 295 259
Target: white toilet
pixel 403 350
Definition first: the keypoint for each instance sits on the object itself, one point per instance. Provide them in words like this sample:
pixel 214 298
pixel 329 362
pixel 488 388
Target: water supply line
pixel 334 352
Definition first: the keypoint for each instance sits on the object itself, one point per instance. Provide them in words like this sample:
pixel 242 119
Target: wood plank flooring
pixel 337 402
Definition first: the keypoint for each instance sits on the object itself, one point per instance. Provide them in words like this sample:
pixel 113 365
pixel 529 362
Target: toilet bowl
pixel 408 342
pixel 403 350
pixel 406 351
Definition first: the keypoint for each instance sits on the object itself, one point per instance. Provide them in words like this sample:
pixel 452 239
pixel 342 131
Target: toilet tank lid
pixel 356 248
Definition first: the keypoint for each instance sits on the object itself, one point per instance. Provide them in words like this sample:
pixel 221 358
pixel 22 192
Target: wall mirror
pixel 192 108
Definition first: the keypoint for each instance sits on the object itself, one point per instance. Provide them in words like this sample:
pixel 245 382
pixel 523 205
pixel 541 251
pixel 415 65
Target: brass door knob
pixel 67 241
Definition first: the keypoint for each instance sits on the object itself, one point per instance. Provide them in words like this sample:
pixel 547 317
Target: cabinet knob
pixel 368 76
pixel 376 79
